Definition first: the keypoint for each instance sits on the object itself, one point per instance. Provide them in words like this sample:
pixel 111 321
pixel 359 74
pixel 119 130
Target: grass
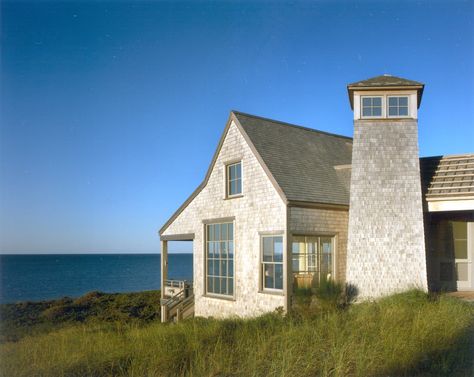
pixel 410 334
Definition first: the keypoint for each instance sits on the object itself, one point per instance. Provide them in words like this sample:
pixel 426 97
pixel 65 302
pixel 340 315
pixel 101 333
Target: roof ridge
pixel 291 125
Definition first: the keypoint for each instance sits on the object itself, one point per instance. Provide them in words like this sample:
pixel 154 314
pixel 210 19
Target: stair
pixel 178 303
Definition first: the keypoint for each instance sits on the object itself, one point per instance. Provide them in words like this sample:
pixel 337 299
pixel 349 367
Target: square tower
pixel 386 248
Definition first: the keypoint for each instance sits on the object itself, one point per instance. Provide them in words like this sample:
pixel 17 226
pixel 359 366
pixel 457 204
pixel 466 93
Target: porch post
pixel 164 277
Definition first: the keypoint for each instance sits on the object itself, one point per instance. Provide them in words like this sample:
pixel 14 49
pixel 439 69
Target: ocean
pixel 52 276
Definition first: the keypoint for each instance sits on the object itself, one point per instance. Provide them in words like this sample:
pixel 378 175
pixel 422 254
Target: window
pixel 371 107
pixel 220 259
pixel 234 179
pixel 272 262
pixel 398 106
pixel 312 259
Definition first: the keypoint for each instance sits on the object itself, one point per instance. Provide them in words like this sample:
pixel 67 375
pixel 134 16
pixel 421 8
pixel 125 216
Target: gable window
pixel 398 106
pixel 220 259
pixel 372 107
pixel 272 262
pixel 234 179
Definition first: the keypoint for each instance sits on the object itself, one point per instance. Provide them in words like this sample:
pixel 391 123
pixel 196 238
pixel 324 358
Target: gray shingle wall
pixel 259 210
pixel 386 251
pixel 309 221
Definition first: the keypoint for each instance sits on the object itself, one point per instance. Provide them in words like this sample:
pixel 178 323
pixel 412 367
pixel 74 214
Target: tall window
pixel 234 179
pixel 398 106
pixel 372 107
pixel 220 259
pixel 272 262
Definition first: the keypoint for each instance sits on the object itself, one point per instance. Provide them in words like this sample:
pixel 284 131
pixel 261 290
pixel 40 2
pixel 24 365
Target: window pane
pixel 376 101
pixel 223 249
pixel 278 249
pixel 210 249
pixel 392 111
pixel 393 101
pixel 210 267
pixel 269 274
pixel 278 276
pixel 224 232
pixel 366 102
pixel 296 264
pixel 460 249
pixel 231 172
pixel 367 112
pixel 217 270
pixel 231 249
pixel 238 170
pixel 231 268
pixel 230 286
pixel 462 271
pixel 230 229
pixel 217 285
pixel 210 232
pixel 268 249
pixel 377 111
pixel 210 285
pixel 223 267
pixel 217 232
pixel 223 286
pixel 233 188
pixel 459 229
pixel 238 189
pixel 403 111
pixel 402 101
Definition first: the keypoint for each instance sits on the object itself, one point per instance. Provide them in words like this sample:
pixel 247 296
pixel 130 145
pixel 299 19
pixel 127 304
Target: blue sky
pixel 111 111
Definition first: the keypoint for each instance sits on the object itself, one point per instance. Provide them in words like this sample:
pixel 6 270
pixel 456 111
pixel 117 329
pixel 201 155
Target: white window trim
pixel 383 113
pixel 227 181
pixel 408 106
pixel 262 287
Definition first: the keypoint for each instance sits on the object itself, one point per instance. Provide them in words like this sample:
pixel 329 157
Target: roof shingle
pixel 302 160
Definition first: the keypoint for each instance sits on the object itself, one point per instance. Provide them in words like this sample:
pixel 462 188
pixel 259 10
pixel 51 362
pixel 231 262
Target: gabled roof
pixel 302 160
pixel 448 177
pixel 384 82
pixel 304 165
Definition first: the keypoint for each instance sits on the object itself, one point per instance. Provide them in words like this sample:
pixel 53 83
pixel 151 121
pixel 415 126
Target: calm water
pixel 44 277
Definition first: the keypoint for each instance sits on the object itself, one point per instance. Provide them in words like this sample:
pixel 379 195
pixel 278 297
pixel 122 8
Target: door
pixel 455 248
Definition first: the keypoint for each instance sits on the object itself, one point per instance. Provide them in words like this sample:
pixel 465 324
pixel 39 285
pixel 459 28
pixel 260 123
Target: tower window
pixel 372 107
pixel 398 106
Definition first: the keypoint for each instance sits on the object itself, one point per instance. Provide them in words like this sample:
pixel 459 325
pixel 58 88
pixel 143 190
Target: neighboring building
pixel 284 206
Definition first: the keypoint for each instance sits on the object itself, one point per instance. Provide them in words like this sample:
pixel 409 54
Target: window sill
pixel 273 293
pixel 233 197
pixel 225 298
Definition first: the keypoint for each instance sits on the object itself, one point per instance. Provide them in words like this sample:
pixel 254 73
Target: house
pixel 284 206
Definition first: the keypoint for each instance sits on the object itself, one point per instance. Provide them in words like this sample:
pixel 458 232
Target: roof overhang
pixel 445 205
pixel 352 88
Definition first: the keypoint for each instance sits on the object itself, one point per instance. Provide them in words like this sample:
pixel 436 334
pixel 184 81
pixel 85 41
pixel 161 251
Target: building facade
pixel 283 207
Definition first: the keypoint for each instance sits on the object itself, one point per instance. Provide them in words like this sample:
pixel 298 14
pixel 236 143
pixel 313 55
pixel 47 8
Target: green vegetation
pixel 27 318
pixel 410 334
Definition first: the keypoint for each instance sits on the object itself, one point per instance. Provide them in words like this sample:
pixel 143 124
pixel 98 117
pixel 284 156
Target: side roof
pixel 447 177
pixel 301 159
pixel 304 165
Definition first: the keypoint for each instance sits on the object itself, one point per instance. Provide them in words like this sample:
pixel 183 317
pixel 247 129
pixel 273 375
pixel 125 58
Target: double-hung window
pixel 272 262
pixel 220 259
pixel 234 179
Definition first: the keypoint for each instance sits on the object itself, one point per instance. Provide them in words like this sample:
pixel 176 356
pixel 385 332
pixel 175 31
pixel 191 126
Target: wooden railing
pixel 178 301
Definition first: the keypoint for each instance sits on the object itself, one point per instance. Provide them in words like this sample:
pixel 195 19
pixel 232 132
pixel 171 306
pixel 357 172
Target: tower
pixel 386 248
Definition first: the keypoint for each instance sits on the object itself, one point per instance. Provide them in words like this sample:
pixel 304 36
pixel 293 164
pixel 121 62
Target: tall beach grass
pixel 408 334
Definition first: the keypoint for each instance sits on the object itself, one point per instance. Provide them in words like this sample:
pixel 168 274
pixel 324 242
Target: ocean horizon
pixel 41 276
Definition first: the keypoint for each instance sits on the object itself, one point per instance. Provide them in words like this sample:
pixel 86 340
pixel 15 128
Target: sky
pixel 111 111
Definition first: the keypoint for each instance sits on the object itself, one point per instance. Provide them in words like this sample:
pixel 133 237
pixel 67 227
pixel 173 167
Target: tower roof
pixel 385 81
